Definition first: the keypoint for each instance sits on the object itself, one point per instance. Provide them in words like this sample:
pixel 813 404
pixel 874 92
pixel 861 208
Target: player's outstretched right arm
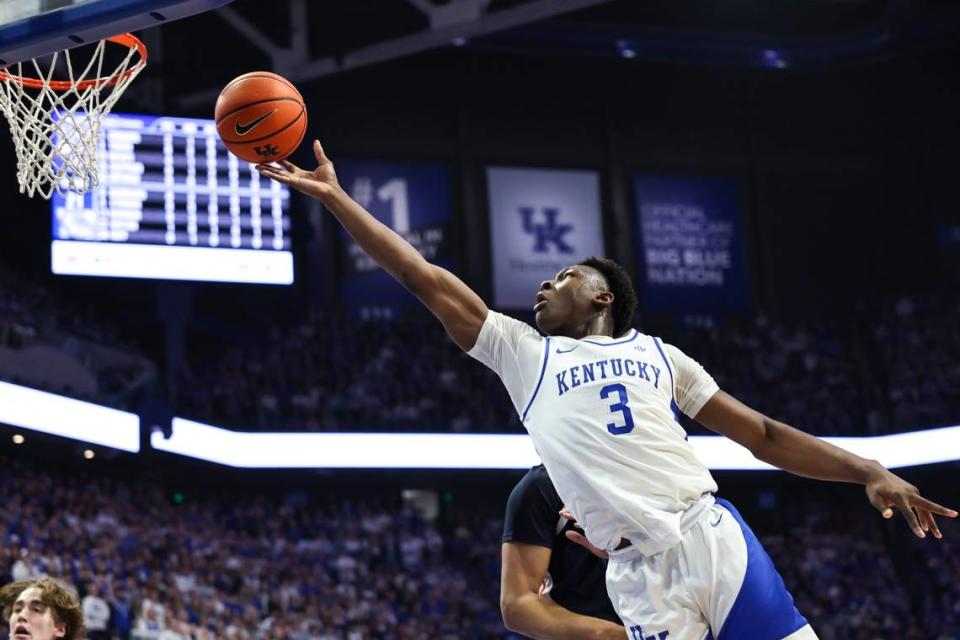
pixel 461 311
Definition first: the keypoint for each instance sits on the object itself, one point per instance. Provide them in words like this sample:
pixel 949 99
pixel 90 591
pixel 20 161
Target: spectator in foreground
pixel 42 609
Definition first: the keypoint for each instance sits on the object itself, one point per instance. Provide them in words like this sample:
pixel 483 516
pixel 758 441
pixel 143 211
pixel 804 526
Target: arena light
pixel 171 263
pixel 897 450
pixel 486 451
pixel 347 450
pixel 61 416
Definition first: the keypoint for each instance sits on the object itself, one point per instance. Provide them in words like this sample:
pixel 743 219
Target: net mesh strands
pixel 55 123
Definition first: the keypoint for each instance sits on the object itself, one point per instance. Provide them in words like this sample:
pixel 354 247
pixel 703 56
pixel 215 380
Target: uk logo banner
pixel 541 220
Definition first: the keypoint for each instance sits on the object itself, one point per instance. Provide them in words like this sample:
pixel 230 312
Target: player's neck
pixel 600 325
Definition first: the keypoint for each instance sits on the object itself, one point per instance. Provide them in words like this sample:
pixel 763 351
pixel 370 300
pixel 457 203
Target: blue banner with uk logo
pixel 413 200
pixel 541 220
pixel 690 244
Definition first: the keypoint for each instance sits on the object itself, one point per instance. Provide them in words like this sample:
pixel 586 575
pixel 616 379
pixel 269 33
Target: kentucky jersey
pixel 604 416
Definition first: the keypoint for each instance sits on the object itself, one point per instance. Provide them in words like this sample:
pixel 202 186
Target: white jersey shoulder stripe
pixel 543 369
pixel 656 343
pixel 674 407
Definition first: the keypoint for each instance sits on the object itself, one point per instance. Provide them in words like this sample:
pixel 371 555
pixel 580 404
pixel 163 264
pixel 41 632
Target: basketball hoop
pixel 55 123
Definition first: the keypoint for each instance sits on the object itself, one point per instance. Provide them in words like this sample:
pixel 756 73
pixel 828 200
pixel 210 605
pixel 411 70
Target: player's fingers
pixel 289 166
pixel 910 516
pixel 928 523
pixel 922 503
pixel 274 173
pixel 576 536
pixel 266 170
pixel 318 152
pixel 926 520
pixel 880 505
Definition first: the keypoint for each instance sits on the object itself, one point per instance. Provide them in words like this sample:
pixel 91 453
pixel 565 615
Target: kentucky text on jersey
pixel 603 369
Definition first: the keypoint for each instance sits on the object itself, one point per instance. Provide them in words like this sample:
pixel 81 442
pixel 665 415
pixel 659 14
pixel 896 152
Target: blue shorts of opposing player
pixel 717 583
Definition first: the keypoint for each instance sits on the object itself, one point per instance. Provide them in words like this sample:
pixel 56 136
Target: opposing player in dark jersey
pixel 550 586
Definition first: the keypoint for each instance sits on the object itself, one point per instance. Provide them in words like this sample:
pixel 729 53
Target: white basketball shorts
pixel 717 583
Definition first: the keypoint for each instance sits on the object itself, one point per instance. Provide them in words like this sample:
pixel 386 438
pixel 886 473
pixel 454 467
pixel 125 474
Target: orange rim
pixel 125 39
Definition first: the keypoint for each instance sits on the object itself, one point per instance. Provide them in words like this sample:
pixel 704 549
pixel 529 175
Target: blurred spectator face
pixel 31 619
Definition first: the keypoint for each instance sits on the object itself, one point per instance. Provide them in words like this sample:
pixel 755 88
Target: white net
pixel 55 123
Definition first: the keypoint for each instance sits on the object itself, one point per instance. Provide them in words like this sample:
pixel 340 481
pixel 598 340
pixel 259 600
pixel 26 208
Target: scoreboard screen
pixel 173 204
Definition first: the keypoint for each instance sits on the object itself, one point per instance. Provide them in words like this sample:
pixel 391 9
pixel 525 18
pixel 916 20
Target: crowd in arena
pixel 49 341
pixel 248 565
pixel 30 311
pixel 854 579
pixel 331 373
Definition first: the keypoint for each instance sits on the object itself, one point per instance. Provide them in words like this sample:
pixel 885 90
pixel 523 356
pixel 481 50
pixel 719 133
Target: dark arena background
pixel 292 448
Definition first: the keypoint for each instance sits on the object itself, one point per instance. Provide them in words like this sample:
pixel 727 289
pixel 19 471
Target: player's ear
pixel 603 298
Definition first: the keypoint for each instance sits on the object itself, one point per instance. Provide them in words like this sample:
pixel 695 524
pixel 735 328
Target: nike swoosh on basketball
pixel 244 129
pixel 567 350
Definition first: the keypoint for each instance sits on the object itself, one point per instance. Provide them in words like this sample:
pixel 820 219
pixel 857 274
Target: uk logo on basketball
pixel 549 231
pixel 266 150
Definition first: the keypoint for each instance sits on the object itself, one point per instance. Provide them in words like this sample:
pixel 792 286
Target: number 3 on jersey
pixel 621 406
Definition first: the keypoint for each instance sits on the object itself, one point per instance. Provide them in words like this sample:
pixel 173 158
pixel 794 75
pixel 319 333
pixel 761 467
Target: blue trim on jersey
pixel 610 344
pixel 764 609
pixel 674 407
pixel 656 343
pixel 543 369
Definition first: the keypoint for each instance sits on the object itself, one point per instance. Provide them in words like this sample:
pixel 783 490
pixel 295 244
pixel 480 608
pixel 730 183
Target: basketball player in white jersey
pixel 601 401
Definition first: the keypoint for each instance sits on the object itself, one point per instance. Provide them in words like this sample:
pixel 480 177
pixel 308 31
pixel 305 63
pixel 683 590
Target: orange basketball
pixel 261 117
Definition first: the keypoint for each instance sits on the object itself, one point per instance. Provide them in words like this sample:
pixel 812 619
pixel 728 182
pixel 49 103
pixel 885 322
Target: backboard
pixel 31 28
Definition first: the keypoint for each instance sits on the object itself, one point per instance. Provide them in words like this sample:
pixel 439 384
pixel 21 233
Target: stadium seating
pixel 269 565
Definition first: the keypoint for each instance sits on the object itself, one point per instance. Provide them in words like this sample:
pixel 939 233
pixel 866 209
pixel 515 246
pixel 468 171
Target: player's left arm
pixel 792 450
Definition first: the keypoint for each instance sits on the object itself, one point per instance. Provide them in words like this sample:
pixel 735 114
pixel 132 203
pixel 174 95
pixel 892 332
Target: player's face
pixel 31 619
pixel 569 301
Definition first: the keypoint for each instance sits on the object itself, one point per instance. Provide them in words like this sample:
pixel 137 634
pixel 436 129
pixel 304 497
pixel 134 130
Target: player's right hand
pixel 319 183
pixel 887 491
pixel 576 535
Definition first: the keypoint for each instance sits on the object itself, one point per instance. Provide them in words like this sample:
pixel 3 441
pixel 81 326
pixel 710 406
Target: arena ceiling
pixel 309 39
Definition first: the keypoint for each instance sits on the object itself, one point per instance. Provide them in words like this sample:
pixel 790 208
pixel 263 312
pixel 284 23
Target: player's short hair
pixel 620 285
pixel 61 599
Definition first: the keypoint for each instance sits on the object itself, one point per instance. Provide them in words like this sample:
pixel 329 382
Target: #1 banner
pixel 411 199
